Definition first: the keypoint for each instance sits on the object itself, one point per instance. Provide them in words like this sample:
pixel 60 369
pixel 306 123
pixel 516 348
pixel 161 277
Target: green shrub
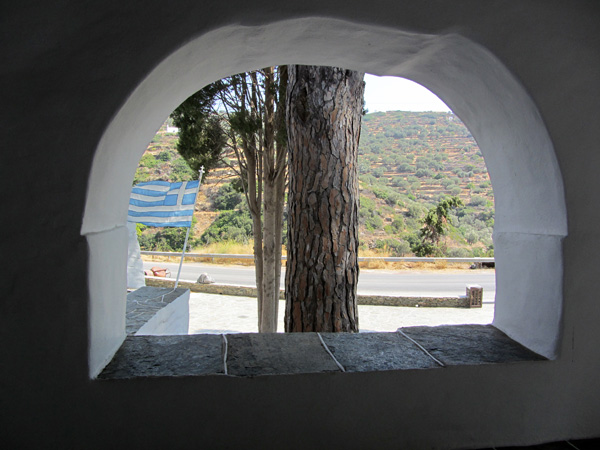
pixel 229 226
pixel 392 199
pixel 399 182
pixel 458 253
pixel 227 198
pixel 415 210
pixel 405 168
pixel 180 171
pixel 447 182
pixel 398 224
pixel 367 203
pixel 164 156
pixel 477 201
pixel 421 173
pixel 164 240
pixel 368 179
pixel 373 223
pixel 378 173
pixel 148 161
pixel 393 246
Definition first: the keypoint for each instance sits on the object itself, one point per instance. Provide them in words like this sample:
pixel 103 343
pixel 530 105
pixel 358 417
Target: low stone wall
pixel 222 289
pixel 379 300
pixel 425 302
pixel 158 311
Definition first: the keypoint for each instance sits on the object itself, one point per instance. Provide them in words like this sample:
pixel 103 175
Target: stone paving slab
pixel 210 313
pixel 144 303
pixel 167 356
pixel 376 351
pixel 470 344
pixel 272 353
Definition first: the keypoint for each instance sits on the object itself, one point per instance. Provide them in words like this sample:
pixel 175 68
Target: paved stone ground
pixel 212 313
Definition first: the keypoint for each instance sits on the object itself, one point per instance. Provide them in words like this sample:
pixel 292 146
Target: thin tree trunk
pixel 268 311
pixel 267 324
pixel 278 227
pixel 254 191
pixel 274 171
pixel 255 213
pixel 280 176
pixel 323 119
pixel 254 104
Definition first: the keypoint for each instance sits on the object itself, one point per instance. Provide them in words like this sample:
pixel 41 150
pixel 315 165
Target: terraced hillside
pixel 408 161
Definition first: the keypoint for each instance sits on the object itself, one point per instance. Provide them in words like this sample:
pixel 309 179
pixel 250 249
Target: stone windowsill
pixel 252 354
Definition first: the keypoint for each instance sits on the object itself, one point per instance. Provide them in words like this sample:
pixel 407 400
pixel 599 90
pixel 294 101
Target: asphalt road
pixel 448 283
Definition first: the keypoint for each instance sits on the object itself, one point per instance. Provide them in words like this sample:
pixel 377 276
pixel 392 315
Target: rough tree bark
pixel 324 111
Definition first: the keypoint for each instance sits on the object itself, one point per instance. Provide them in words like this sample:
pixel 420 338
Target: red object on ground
pixel 159 272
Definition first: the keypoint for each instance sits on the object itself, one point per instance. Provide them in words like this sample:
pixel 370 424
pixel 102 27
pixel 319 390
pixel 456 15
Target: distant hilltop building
pixel 171 129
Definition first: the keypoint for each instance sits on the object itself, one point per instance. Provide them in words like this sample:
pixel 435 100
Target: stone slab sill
pixel 253 354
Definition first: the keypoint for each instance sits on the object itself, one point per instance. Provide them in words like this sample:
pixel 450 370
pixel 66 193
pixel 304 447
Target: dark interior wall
pixel 68 67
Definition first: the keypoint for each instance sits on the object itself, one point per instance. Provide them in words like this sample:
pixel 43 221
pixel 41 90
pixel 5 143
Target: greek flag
pixel 163 204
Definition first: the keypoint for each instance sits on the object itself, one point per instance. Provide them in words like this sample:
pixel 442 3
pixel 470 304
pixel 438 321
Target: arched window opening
pixel 414 152
pixel 530 215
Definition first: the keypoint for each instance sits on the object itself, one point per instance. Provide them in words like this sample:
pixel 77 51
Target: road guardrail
pixel 360 259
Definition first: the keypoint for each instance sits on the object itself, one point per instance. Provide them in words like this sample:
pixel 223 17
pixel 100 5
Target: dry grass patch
pixel 232 248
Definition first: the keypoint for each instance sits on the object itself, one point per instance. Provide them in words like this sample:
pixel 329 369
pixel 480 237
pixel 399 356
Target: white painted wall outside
pixel 172 319
pixel 135 265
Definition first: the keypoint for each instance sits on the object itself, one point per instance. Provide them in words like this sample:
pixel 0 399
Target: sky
pixel 399 94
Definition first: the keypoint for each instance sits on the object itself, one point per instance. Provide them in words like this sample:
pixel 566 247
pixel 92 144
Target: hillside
pixel 408 161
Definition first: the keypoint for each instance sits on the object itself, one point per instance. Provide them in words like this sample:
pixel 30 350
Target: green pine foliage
pixel 201 135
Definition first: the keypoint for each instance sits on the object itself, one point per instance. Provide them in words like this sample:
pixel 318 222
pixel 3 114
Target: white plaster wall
pixel 69 69
pixel 529 284
pixel 135 265
pixel 519 154
pixel 172 319
pixel 501 116
pixel 108 279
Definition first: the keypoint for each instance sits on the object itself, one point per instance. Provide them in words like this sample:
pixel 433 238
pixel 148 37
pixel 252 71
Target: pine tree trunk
pixel 323 119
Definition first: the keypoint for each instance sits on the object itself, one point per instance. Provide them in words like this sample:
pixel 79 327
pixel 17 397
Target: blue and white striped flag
pixel 163 204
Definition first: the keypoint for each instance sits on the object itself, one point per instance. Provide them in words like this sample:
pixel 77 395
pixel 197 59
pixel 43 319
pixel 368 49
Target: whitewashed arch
pixel 528 188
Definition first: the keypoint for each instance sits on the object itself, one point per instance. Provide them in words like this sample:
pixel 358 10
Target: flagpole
pixel 187 234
